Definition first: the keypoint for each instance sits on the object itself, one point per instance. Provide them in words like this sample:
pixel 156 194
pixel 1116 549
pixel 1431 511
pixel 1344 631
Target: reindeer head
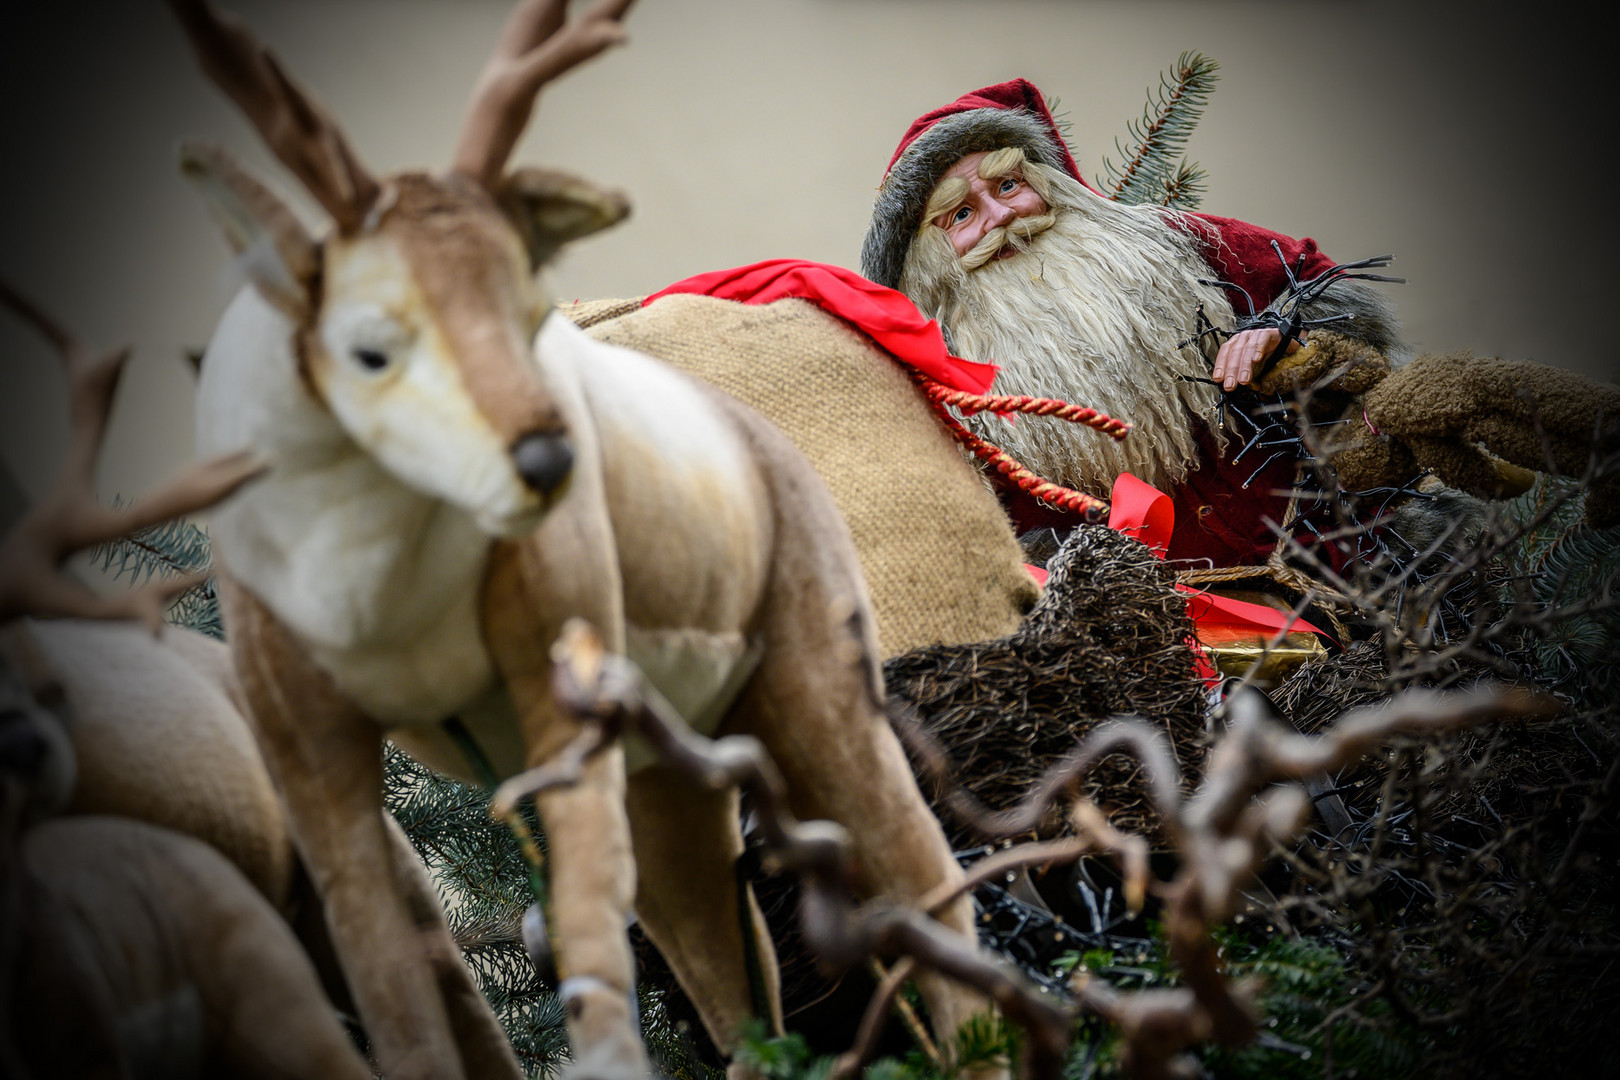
pixel 416 313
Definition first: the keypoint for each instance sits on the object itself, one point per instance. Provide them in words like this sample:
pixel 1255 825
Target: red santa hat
pixel 1007 114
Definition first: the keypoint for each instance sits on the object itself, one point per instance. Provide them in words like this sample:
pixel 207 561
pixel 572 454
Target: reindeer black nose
pixel 543 459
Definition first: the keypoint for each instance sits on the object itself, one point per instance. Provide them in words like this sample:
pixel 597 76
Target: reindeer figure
pixel 454 475
pixel 155 732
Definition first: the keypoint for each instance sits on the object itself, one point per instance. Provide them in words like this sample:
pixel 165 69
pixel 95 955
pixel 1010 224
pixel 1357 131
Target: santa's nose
pixel 999 214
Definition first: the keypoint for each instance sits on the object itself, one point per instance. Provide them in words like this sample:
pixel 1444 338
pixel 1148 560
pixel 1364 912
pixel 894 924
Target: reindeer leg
pixel 271 1016
pixel 687 840
pixel 484 1048
pixel 819 719
pixel 592 880
pixel 816 705
pixel 326 759
pixel 528 591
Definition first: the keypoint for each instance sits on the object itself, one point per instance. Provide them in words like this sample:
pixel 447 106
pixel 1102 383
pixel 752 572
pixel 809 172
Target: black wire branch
pixel 1285 314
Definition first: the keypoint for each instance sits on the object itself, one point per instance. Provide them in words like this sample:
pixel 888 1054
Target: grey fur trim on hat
pixel 903 195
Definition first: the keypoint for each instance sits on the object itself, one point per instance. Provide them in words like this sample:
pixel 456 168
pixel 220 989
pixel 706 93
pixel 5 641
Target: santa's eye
pixel 961 215
pixel 1009 184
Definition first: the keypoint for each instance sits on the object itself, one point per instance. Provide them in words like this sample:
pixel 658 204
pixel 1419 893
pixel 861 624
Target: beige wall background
pixel 1463 138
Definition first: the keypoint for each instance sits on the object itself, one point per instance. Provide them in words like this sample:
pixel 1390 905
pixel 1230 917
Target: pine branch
pixel 1570 573
pixel 1157 170
pixel 170 549
pixel 1185 190
pixel 484 884
pixel 198 609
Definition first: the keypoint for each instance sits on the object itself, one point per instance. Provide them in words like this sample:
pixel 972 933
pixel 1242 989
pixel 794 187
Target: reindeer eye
pixel 370 359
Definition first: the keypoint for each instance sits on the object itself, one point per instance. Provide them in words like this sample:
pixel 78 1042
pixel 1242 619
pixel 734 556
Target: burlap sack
pixel 940 558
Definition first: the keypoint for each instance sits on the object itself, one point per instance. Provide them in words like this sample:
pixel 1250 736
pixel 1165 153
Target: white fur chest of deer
pixel 381 583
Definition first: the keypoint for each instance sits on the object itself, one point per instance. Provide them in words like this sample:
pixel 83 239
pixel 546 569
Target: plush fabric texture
pixel 159 739
pixel 1329 363
pixel 138 951
pixel 1458 415
pixel 940 559
pixel 1014 94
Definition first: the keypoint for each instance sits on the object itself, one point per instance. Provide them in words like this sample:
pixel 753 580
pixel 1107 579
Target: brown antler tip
pixel 535 48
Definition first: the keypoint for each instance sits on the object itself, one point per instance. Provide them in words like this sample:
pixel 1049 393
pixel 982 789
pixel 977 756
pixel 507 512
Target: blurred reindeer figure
pixel 128 948
pixel 156 731
pixel 453 475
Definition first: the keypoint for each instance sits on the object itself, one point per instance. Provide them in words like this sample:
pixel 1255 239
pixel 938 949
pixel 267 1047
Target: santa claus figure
pixel 984 221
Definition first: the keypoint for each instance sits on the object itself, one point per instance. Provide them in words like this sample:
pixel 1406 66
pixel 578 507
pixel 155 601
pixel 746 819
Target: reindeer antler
pixel 70 519
pixel 292 123
pixel 534 48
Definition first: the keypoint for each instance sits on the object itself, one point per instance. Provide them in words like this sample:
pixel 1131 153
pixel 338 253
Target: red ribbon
pixel 888 316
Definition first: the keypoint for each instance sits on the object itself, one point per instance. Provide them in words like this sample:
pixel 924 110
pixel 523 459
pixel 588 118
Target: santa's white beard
pixel 1091 311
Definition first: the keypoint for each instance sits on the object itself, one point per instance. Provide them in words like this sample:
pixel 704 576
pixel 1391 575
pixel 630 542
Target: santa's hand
pixel 1241 356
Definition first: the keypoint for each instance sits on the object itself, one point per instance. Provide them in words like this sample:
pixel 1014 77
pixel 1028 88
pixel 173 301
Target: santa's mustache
pixel 1018 233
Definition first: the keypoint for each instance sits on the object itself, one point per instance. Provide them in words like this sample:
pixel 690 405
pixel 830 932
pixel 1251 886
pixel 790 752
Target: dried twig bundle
pixel 1109 636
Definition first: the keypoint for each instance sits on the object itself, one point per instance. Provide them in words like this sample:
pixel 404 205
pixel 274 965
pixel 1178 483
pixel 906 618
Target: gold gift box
pixel 1234 651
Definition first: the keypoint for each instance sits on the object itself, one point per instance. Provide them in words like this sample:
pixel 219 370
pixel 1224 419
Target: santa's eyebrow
pixel 947 195
pixel 1008 161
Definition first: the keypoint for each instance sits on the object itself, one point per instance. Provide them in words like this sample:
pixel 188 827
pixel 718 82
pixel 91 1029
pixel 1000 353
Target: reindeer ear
pixel 551 208
pixel 277 252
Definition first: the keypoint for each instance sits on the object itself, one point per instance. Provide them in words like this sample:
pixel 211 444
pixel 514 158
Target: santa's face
pixel 986 203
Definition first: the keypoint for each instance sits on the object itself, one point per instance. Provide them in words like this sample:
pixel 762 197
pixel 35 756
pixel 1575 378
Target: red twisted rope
pixel 969 404
pixel 1078 502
